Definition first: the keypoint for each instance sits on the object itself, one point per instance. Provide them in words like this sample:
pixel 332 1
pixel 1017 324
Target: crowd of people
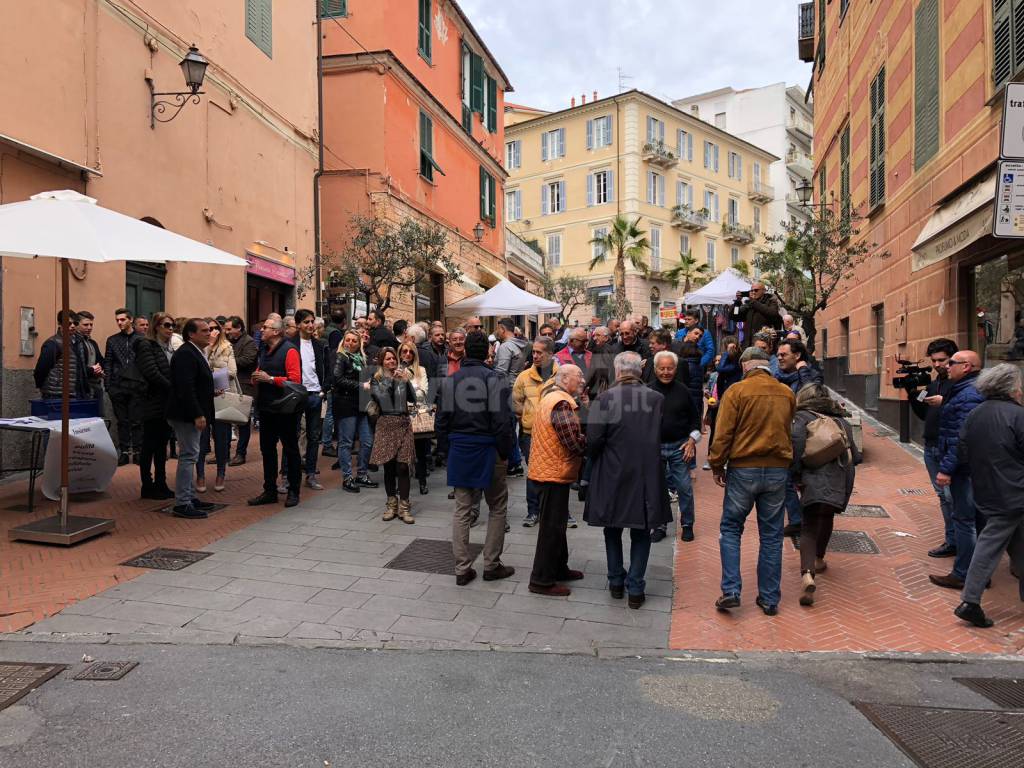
pixel 612 411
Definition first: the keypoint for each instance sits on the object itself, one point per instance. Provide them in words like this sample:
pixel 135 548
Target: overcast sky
pixel 555 49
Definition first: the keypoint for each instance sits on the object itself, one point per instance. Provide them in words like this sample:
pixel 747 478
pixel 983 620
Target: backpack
pixel 826 441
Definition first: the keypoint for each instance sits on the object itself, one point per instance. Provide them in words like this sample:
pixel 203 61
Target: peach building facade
pixel 908 99
pixel 412 127
pixel 235 171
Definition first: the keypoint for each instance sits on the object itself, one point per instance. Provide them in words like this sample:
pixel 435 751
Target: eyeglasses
pixel 166 325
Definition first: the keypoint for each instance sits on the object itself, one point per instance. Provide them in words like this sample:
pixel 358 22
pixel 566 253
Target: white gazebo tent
pixel 721 290
pixel 67 225
pixel 505 298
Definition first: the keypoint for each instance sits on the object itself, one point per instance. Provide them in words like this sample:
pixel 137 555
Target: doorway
pixel 144 288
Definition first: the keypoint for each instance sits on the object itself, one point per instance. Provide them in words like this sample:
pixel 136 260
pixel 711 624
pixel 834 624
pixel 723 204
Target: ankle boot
pixel 807 598
pixel 392 509
pixel 405 511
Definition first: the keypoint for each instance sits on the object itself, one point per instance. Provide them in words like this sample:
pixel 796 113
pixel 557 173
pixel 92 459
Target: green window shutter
pixel 424 29
pixel 926 82
pixel 876 170
pixel 252 20
pixel 821 35
pixel 483 193
pixel 492 193
pixel 1002 41
pixel 844 177
pixel 333 8
pixel 476 83
pixel 259 18
pixel 426 146
pixel 492 105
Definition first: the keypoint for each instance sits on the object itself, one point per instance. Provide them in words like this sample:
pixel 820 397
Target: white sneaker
pixel 282 487
pixel 706 467
pixel 673 496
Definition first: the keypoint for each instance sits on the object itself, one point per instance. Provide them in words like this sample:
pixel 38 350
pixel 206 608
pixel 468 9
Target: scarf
pixel 357 360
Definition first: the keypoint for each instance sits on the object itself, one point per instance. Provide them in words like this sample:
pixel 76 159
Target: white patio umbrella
pixel 67 225
pixel 505 298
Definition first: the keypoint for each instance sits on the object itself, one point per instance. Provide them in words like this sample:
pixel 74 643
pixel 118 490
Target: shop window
pixel 997 310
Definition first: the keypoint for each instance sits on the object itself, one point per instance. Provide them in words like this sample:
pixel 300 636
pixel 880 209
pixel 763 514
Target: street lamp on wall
pixel 193 67
pixel 804 191
pixel 478 232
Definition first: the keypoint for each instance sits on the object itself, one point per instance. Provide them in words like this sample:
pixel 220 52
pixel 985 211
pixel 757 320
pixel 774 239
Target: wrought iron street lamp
pixel 193 67
pixel 478 232
pixel 804 190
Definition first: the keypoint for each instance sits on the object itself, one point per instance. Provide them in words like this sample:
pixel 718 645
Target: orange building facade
pixel 412 105
pixel 235 170
pixel 908 102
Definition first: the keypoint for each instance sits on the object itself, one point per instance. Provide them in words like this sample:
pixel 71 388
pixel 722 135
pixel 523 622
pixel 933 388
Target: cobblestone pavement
pixel 864 602
pixel 316 573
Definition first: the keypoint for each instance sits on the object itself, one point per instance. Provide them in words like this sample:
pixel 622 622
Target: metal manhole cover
pixel 166 559
pixel 913 491
pixel 429 556
pixel 107 670
pixel 1003 692
pixel 169 510
pixel 850 542
pixel 951 738
pixel 865 510
pixel 18 678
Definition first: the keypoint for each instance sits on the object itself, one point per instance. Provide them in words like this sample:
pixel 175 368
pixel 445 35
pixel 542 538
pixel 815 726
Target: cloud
pixel 553 50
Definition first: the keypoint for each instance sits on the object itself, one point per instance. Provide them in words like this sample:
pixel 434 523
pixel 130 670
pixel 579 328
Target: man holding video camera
pixel 757 309
pixel 927 404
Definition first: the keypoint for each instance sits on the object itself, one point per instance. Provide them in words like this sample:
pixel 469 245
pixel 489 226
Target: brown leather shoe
pixel 555 590
pixel 571 575
pixel 463 579
pixel 500 571
pixel 949 581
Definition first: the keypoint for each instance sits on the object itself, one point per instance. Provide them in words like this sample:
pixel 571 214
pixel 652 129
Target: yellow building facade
pixel 696 189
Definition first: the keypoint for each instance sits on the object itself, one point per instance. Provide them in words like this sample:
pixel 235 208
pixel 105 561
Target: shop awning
pixel 956 224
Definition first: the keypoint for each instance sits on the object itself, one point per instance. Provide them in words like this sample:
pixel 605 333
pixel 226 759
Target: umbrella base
pixel 50 531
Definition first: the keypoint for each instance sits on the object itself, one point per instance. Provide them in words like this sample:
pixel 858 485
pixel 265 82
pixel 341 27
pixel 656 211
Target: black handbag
pixel 293 400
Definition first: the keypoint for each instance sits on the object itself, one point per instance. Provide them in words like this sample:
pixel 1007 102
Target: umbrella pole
pixel 63 529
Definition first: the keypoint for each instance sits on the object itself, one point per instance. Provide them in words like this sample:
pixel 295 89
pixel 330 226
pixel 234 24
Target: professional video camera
pixel 910 375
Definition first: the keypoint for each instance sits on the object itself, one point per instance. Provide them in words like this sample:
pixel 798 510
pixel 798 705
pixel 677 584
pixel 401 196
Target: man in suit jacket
pixel 189 410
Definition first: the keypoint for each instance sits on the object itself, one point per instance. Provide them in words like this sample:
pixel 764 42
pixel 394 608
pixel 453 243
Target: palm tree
pixel 625 240
pixel 689 271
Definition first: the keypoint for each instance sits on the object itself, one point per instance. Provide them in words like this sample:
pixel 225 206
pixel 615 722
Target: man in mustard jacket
pixel 529 386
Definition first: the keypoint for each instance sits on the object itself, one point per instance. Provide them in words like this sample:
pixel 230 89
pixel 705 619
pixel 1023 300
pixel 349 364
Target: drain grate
pixel 107 670
pixel 951 738
pixel 913 492
pixel 429 556
pixel 169 510
pixel 163 559
pixel 1003 692
pixel 18 678
pixel 849 542
pixel 865 510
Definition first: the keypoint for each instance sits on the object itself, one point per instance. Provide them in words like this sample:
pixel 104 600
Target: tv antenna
pixel 623 77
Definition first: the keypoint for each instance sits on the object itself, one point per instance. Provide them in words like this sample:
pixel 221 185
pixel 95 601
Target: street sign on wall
pixel 1008 218
pixel 1011 144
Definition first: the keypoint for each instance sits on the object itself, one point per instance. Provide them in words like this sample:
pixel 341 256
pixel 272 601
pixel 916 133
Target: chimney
pixel 583 98
pixel 595 95
pixel 572 102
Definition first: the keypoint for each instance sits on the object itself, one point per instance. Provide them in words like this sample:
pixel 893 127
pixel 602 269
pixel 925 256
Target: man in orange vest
pixel 557 447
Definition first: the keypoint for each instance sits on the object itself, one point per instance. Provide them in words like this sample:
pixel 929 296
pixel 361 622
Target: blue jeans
pixel 349 426
pixel 639 551
pixel 677 474
pixel 532 494
pixel 932 457
pixel 966 519
pixel 515 459
pixel 188 451
pixel 330 429
pixel 746 487
pixel 793 504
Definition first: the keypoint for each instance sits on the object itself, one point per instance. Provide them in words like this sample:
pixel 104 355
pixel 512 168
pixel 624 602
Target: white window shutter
pixel 562 203
pixel 608 131
pixel 610 185
pixel 716 157
pixel 661 132
pixel 519 153
pixel 561 142
pixel 739 167
pixel 590 134
pixel 544 146
pixel 650 186
pixel 679 193
pixel 715 198
pixel 545 201
pixel 590 187
pixel 661 190
pixel 519 204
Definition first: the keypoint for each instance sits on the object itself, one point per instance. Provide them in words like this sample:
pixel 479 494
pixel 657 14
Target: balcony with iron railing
pixel 760 192
pixel 800 163
pixel 684 217
pixel 658 153
pixel 805 32
pixel 737 233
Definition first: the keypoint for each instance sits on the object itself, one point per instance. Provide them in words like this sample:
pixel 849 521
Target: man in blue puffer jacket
pixel 964 367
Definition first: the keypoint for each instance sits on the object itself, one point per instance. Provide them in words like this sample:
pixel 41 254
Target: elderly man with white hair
pixel 992 443
pixel 556 451
pixel 627 487
pixel 680 433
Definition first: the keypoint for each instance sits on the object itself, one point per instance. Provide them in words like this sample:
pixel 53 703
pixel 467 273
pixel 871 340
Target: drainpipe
pixel 317 259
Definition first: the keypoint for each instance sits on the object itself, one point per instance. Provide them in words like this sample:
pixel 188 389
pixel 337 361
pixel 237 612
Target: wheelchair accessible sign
pixel 1008 214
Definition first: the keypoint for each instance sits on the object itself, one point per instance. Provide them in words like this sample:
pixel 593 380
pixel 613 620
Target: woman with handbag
pixel 825 486
pixel 392 391
pixel 153 359
pixel 220 354
pixel 350 371
pixel 423 416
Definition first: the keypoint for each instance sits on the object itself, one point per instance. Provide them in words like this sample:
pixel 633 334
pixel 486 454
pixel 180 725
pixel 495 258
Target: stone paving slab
pixel 315 574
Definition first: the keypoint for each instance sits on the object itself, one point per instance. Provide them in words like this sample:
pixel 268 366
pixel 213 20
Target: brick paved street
pixel 315 574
